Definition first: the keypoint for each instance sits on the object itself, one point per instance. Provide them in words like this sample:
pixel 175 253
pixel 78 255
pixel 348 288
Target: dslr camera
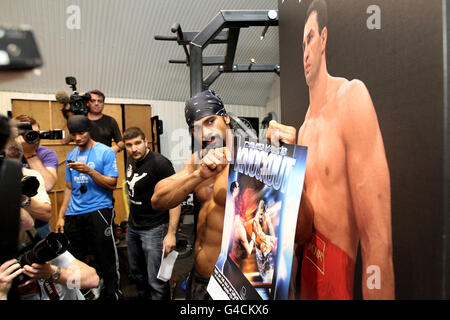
pixel 32 136
pixel 30 186
pixel 77 102
pixel 45 250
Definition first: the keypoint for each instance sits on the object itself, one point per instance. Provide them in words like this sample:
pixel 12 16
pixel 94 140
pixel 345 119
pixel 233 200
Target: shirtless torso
pixel 326 177
pixel 347 182
pixel 212 196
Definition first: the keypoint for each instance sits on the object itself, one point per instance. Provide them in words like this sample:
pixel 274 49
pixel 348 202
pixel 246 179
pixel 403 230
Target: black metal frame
pixel 213 33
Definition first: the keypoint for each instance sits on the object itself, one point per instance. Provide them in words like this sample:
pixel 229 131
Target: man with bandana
pixel 206 175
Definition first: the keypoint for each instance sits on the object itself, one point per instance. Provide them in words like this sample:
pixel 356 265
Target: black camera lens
pixel 31 137
pixel 30 185
pixel 45 250
pixel 52 134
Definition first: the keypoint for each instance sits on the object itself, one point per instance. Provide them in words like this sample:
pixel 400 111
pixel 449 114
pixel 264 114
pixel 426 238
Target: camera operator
pixel 104 128
pixel 38 206
pixel 43 160
pixel 65 275
pixel 37 157
pixel 86 214
pixel 68 274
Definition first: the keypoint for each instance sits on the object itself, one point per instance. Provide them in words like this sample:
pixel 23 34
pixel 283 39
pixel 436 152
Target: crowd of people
pixel 86 215
pixel 345 199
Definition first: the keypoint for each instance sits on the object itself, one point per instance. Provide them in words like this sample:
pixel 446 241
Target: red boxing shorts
pixel 327 271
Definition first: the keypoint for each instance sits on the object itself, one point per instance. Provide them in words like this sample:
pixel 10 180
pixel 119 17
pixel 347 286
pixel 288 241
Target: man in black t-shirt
pixel 149 231
pixel 104 128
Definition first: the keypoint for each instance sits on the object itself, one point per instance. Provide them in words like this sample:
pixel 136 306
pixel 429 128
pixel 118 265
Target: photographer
pixel 68 275
pixel 42 159
pixel 65 275
pixel 38 206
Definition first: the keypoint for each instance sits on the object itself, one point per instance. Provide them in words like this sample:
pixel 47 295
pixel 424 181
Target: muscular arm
pixel 368 175
pixel 48 173
pixel 173 190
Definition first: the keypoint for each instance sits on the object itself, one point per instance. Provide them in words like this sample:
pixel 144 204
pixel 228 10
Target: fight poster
pixel 263 197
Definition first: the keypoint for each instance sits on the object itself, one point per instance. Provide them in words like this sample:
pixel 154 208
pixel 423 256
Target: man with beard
pixel 206 175
pixel 87 213
pixel 150 231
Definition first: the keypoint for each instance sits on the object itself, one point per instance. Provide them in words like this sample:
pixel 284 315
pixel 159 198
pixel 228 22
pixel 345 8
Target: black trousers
pixel 92 233
pixel 196 286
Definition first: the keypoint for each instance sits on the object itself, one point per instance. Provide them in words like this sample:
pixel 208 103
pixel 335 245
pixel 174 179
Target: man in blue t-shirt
pixel 86 214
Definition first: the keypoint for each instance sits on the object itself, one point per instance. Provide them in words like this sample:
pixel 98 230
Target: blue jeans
pixel 144 257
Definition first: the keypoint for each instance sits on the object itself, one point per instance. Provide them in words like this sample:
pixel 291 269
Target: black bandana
pixel 203 104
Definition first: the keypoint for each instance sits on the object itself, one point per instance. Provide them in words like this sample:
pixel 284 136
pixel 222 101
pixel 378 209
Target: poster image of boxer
pixel 259 225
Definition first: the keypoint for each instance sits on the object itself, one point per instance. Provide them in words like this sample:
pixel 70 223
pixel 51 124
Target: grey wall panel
pixel 114 49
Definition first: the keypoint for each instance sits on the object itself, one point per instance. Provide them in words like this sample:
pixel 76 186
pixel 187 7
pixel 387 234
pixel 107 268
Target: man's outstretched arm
pixel 369 182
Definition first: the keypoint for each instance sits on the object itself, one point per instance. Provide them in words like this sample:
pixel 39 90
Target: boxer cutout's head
pixel 314 40
pixel 207 119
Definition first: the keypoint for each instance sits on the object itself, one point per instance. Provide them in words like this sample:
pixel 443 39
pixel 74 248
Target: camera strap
pixel 50 290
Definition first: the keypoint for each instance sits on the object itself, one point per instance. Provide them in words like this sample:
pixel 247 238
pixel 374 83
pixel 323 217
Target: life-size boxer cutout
pixel 347 178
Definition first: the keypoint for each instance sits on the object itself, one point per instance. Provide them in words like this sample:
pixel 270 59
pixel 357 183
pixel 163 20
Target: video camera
pixel 31 136
pixel 77 102
pixel 45 250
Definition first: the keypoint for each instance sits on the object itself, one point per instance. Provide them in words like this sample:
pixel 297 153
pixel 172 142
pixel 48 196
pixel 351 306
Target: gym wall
pixel 402 64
